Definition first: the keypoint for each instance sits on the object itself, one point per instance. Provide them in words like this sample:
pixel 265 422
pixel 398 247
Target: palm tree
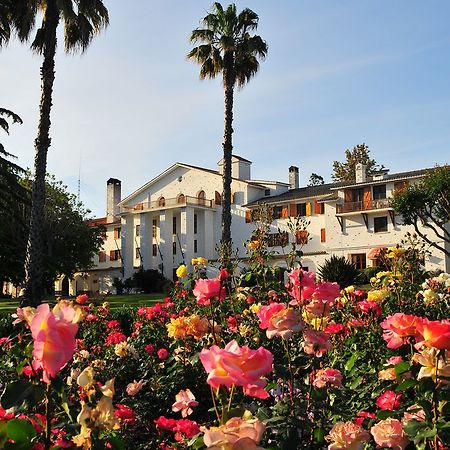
pixel 82 20
pixel 228 48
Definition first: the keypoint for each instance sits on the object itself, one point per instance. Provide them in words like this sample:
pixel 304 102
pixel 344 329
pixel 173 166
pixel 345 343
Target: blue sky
pixel 338 73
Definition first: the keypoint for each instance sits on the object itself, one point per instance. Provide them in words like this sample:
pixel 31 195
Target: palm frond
pixel 202 35
pixel 11 115
pixel 201 53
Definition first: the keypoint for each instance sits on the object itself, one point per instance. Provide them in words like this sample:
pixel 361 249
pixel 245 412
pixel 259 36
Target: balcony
pixel 363 206
pixel 169 203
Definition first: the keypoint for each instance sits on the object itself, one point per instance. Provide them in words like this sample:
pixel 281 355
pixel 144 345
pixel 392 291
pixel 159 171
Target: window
pixel 380 224
pixel 379 192
pixel 277 212
pixel 174 225
pixel 301 209
pixel 114 255
pixel 195 223
pixel 181 198
pixel 138 253
pixel 117 233
pixel 319 208
pixel 277 239
pixel 217 198
pixel 359 260
pixel 201 197
pixel 266 192
pixel 195 246
pixel 138 230
pixel 174 248
pixel 154 250
pixel 101 256
pixel 357 195
pixel 154 228
pixel 161 201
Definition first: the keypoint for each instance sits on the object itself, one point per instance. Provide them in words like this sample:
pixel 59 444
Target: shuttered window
pixel 323 236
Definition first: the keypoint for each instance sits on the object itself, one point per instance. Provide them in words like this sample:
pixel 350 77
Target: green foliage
pixel 315 180
pixel 426 206
pixel 338 269
pixel 346 171
pixel 149 280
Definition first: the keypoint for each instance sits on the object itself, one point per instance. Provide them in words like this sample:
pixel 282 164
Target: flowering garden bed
pixel 273 365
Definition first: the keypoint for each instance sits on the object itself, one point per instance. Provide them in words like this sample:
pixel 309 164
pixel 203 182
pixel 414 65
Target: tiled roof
pixel 327 189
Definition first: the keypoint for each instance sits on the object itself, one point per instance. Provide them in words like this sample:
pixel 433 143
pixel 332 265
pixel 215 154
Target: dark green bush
pixel 338 269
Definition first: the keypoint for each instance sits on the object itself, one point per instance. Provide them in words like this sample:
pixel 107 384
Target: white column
pixel 127 244
pixel 165 242
pixel 187 233
pixel 146 240
pixel 209 244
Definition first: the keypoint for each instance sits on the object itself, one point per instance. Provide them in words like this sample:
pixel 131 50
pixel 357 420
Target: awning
pixel 375 253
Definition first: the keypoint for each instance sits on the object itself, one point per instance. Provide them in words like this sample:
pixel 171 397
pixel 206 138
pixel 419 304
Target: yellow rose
pixel 350 289
pixel 182 271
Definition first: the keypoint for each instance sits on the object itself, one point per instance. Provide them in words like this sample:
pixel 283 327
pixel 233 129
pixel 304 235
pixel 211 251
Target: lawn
pixel 115 301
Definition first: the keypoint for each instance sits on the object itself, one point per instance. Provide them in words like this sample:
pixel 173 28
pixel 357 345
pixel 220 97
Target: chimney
pixel 240 167
pixel 113 197
pixel 360 173
pixel 294 178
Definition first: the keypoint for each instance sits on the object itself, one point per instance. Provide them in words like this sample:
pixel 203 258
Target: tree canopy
pixel 345 171
pixel 428 204
pixel 315 180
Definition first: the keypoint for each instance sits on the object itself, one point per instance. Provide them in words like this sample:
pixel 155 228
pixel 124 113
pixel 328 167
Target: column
pixel 146 240
pixel 165 243
pixel 187 233
pixel 209 240
pixel 127 244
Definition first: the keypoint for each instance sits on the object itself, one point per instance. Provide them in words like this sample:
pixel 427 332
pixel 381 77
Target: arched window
pixel 201 197
pixel 161 201
pixel 181 199
pixel 217 198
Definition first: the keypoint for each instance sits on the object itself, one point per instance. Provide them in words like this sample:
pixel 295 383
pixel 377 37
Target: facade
pixel 177 216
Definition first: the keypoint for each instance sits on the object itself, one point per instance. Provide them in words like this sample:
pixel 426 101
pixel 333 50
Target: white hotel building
pixel 176 216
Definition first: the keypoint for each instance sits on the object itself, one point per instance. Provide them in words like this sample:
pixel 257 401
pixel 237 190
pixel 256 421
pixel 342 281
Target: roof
pixel 239 158
pixel 326 190
pixel 189 166
pixel 96 221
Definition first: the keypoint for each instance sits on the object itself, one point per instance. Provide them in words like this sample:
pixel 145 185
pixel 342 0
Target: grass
pixel 115 301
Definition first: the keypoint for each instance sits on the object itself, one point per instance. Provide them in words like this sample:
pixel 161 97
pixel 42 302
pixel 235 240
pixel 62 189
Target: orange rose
pixel 389 434
pixel 347 436
pixel 436 333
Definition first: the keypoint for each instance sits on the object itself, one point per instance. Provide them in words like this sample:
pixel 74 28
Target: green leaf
pixel 196 442
pixel 404 385
pixel 356 382
pixel 116 443
pixel 351 362
pixel 21 432
pixel 21 394
pixel 319 434
pixel 402 367
pixel 381 415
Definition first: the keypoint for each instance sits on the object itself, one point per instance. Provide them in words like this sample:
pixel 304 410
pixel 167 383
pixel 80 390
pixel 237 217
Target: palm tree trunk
pixel 228 82
pixel 35 247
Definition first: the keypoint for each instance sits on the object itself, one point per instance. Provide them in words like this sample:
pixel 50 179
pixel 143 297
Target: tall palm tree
pixel 82 20
pixel 228 49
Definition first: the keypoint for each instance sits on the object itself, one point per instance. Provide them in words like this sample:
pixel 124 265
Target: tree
pixel 82 20
pixel 228 49
pixel 346 171
pixel 428 204
pixel 12 214
pixel 315 180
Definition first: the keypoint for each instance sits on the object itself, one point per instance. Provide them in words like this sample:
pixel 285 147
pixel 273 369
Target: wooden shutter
pixel 293 210
pixel 317 207
pixel 116 233
pixel 112 255
pixel 323 236
pixel 308 209
pixel 285 212
pixel 348 196
pixel 248 216
pixel 400 186
pixel 367 198
pixel 102 257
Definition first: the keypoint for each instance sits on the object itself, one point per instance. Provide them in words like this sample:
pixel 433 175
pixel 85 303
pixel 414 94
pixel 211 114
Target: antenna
pixel 79 179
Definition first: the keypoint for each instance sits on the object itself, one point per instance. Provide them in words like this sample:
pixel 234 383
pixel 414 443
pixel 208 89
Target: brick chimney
pixel 294 178
pixel 360 173
pixel 113 197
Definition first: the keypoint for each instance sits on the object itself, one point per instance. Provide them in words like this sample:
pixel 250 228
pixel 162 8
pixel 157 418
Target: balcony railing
pixel 165 203
pixel 348 207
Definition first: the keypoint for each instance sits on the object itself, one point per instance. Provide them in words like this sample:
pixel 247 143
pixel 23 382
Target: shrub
pixel 338 269
pixel 149 280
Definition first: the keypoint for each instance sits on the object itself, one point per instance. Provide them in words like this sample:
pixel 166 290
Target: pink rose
pixel 327 377
pixel 367 306
pixel 239 366
pixel 326 292
pixel 284 324
pixel 302 285
pixel 54 339
pixel 134 387
pixel 347 436
pixel 236 433
pixel 398 327
pixel 184 402
pixel 162 354
pixel 266 312
pixel 125 414
pixel 389 400
pixel 389 434
pixel 205 290
pixel 316 342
